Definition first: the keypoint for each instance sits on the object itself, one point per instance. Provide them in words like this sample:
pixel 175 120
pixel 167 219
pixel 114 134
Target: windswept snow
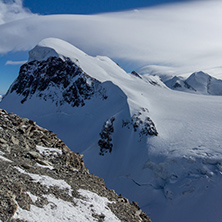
pixel 54 47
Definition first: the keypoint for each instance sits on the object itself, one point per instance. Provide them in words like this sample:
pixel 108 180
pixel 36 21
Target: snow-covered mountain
pixel 157 146
pixel 198 82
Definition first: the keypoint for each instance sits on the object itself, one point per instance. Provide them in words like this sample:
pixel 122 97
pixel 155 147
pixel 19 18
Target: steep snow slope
pixel 173 168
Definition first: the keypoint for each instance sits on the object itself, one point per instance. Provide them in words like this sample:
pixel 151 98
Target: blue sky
pixel 89 6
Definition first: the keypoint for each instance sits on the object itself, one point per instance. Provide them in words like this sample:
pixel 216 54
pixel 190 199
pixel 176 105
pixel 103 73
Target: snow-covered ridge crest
pixel 52 47
pixel 101 68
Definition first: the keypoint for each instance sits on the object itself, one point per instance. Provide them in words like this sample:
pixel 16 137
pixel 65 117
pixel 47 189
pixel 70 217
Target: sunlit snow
pixel 58 210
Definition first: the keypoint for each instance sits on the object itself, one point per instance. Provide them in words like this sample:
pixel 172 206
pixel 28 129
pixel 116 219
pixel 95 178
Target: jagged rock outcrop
pixel 147 126
pixel 105 142
pixel 41 179
pixel 56 80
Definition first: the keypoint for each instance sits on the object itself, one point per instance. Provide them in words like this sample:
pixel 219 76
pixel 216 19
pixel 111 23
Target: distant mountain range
pixel 198 82
pixel 152 144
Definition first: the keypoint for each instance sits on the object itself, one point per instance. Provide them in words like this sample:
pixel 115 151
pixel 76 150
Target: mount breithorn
pixel 154 145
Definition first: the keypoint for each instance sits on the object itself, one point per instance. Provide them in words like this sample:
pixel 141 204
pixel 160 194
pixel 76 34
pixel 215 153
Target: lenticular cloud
pixel 12 10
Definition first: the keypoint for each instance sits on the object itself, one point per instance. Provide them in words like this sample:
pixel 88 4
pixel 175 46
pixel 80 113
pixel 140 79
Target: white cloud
pixel 9 62
pixel 12 10
pixel 183 37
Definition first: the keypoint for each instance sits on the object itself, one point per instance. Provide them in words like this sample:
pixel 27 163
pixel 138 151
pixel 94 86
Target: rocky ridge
pixel 64 80
pixel 39 174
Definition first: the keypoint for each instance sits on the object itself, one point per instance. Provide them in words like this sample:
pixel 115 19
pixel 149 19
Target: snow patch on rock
pixel 58 210
pixel 49 151
pixel 48 181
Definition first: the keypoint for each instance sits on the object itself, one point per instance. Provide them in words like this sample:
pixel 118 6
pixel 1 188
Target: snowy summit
pixel 51 47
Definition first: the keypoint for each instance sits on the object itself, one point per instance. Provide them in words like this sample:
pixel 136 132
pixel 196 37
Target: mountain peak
pixel 53 47
pixel 200 76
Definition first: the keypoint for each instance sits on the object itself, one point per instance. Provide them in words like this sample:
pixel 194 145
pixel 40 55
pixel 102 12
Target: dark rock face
pixel 29 156
pixel 144 127
pixel 105 142
pixel 139 122
pixel 69 82
pixel 136 74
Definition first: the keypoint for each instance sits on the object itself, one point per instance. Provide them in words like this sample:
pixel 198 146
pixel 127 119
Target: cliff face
pixel 41 179
pixel 57 81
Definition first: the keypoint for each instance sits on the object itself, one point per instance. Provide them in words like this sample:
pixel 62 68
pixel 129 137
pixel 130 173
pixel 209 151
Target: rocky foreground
pixel 41 179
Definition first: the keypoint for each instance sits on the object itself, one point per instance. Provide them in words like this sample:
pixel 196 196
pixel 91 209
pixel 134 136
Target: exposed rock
pixel 33 176
pixel 69 82
pixel 105 142
pixel 141 123
pixel 136 74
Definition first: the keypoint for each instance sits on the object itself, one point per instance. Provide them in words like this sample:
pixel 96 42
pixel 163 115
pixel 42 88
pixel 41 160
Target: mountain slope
pixel 154 145
pixel 40 183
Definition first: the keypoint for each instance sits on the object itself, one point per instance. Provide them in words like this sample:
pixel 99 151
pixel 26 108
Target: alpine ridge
pixel 197 82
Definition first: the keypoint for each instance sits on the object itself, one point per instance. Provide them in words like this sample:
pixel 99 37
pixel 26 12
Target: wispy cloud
pixel 9 62
pixel 11 10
